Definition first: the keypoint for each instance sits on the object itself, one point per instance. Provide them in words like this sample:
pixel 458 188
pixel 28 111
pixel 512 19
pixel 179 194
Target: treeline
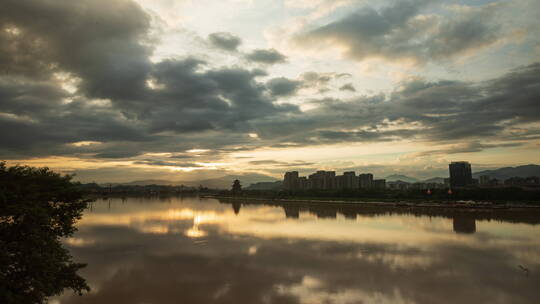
pixel 477 194
pixel 94 189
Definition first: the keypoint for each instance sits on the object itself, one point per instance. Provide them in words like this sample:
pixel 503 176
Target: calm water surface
pixel 191 250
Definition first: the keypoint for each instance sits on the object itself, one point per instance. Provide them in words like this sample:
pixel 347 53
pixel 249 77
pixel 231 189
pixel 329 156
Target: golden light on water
pixel 180 228
pixel 193 220
pixel 195 232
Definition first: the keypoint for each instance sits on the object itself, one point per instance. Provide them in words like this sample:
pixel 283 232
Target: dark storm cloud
pixel 270 56
pixel 25 98
pixel 456 110
pixel 469 147
pixel 399 32
pixel 104 48
pixel 38 119
pixel 365 136
pixel 23 54
pixel 101 41
pixel 443 112
pixel 282 86
pixel 117 154
pixel 218 99
pixel 107 53
pixel 226 41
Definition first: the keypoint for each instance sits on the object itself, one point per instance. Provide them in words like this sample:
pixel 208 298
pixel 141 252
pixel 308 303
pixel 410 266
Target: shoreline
pixel 404 204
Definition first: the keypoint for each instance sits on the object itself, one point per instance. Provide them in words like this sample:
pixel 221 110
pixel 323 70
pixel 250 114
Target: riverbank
pixel 388 203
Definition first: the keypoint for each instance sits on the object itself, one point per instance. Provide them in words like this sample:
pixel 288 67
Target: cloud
pixel 225 41
pixel 347 87
pixel 82 72
pixel 218 268
pixel 274 163
pixel 282 86
pixel 403 32
pixel 322 82
pixel 159 163
pixel 469 147
pixel 270 56
pixel 44 121
pixel 442 112
pixel 215 109
pixel 117 154
pixel 316 78
pixel 101 42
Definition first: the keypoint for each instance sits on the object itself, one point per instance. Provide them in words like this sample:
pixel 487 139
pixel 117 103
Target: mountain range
pixel 508 172
pixel 399 177
pixel 223 182
pixel 261 181
pixel 500 174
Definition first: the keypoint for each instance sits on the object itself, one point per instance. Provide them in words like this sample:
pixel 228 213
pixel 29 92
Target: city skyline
pixel 459 176
pixel 328 180
pixel 124 90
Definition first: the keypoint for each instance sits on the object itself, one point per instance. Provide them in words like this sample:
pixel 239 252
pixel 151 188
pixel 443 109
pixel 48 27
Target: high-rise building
pixel 302 183
pixel 323 180
pixel 460 174
pixel 327 180
pixel 365 180
pixel 290 181
pixel 348 180
pixel 378 184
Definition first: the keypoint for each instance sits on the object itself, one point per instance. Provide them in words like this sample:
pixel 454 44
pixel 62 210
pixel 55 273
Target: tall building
pixel 379 184
pixel 327 180
pixel 348 180
pixel 303 183
pixel 365 180
pixel 460 174
pixel 323 180
pixel 290 181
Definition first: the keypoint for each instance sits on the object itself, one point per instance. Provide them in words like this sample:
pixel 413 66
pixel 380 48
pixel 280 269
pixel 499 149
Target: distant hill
pixel 507 172
pixel 399 177
pixel 263 181
pixel 265 186
pixel 223 182
pixel 148 182
pixel 437 180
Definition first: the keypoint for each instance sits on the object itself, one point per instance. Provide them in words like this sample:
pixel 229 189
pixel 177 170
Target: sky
pixel 124 90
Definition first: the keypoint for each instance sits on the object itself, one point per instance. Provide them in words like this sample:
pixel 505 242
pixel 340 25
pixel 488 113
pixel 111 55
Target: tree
pixel 37 208
pixel 236 187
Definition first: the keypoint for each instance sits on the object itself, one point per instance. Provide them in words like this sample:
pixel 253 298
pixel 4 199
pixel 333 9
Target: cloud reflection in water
pixel 191 251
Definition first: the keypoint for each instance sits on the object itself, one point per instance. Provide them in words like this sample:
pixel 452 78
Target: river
pixel 196 250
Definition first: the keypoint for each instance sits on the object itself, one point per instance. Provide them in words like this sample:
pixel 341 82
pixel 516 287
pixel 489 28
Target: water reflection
pixel 463 220
pixel 464 224
pixel 204 251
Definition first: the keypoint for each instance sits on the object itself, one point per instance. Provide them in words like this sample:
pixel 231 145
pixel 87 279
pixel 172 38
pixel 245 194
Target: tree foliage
pixel 236 187
pixel 37 208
